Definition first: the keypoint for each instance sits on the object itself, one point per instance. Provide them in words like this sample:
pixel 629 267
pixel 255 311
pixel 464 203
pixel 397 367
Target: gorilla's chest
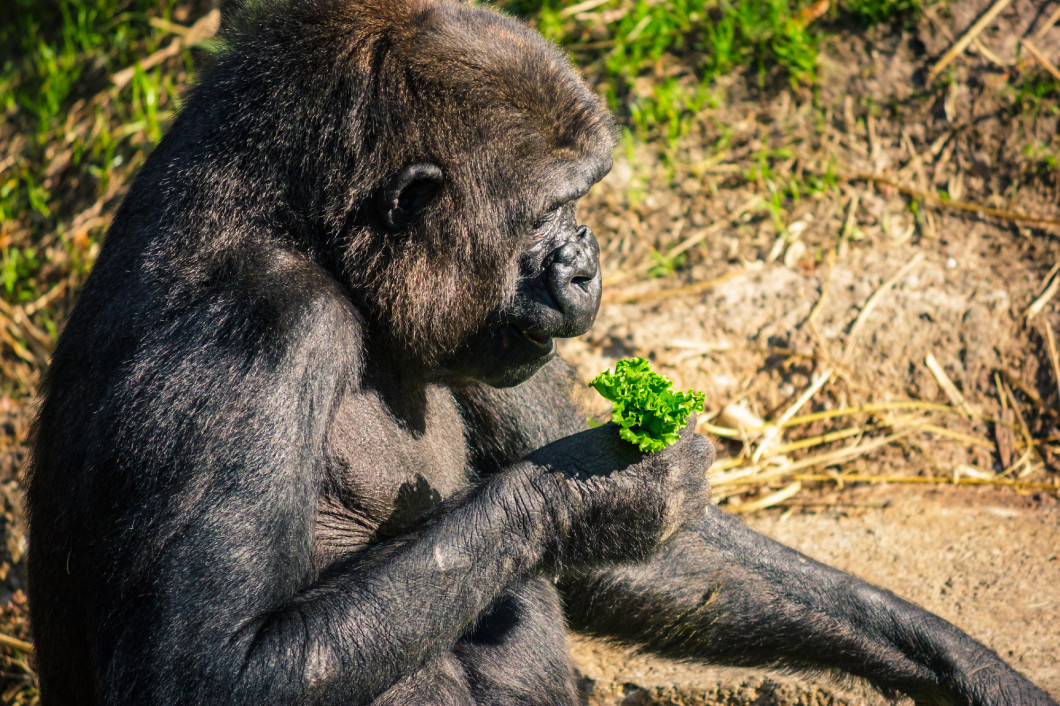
pixel 384 473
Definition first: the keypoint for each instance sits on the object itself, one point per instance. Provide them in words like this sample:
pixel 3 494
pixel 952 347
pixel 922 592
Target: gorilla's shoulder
pixel 227 312
pixel 295 309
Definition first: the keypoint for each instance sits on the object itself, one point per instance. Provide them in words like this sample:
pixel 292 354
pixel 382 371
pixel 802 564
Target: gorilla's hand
pixel 609 502
pixel 973 676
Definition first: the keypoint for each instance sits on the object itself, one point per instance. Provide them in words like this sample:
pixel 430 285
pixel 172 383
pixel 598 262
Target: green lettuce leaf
pixel 650 413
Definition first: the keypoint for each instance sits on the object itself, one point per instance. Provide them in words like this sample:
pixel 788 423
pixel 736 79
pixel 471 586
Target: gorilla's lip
pixel 536 339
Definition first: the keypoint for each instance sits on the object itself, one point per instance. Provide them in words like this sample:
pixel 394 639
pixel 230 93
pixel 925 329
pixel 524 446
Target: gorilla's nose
pixel 573 281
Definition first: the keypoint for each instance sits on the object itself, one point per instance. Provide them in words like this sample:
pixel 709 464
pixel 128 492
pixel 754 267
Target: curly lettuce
pixel 650 414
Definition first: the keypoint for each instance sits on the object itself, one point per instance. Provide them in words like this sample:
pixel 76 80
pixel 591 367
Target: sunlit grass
pixel 658 63
pixel 71 134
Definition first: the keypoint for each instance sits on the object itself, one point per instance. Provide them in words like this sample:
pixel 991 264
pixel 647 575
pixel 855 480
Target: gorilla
pixel 305 438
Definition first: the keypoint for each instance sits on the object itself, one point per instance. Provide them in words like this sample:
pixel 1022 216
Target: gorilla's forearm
pixel 725 594
pixel 375 617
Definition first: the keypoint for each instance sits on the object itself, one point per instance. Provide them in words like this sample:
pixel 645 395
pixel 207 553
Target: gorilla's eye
pixel 542 221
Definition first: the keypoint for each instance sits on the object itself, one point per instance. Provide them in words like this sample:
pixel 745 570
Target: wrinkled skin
pixel 305 439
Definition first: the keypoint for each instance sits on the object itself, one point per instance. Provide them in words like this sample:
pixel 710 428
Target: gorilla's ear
pixel 407 193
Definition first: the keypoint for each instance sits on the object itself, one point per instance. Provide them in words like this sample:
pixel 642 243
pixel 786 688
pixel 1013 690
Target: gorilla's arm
pixel 720 592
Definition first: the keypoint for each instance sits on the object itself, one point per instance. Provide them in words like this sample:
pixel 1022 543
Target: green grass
pixel 72 140
pixel 1031 101
pixel 71 136
pixel 663 265
pixel 1028 96
pixel 658 63
pixel 872 12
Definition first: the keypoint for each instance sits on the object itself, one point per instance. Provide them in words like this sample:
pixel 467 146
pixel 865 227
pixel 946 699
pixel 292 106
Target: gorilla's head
pixel 455 142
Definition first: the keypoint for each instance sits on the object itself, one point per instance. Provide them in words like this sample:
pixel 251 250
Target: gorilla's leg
pixel 517 653
pixel 725 594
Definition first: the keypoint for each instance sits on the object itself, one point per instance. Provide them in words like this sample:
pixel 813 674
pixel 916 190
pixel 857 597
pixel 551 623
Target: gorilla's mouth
pixel 530 339
pixel 539 339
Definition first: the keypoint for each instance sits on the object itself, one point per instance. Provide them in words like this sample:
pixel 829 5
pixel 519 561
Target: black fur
pixel 304 439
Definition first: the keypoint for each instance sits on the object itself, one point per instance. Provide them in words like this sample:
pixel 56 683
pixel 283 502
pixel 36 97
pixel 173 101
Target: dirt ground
pixel 824 301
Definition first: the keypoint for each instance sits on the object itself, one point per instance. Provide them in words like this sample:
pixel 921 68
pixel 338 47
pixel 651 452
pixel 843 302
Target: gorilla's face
pixel 557 296
pixel 544 263
pixel 473 263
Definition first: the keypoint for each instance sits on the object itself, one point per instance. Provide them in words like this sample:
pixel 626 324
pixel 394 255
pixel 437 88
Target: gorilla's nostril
pixel 580 281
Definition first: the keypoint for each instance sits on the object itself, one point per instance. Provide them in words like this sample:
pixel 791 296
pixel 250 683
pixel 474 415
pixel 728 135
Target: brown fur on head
pixel 480 95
